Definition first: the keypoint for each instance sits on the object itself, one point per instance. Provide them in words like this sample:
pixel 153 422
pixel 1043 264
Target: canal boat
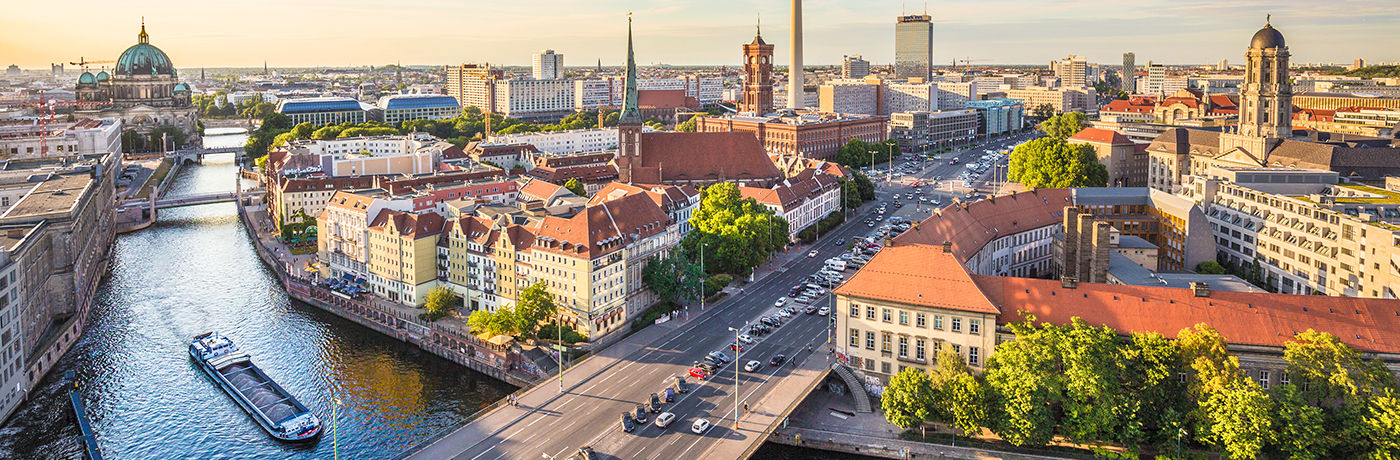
pixel 280 414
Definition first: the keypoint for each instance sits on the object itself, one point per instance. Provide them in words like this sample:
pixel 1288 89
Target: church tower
pixel 1266 100
pixel 758 76
pixel 629 124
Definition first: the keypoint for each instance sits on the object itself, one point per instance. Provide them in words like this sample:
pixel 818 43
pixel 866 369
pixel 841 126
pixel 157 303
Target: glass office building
pixel 913 46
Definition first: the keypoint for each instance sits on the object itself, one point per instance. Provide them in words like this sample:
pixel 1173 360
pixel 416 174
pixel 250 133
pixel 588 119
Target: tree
pixel 1023 378
pixel 689 125
pixel 1043 111
pixel 1156 412
pixel 166 136
pixel 1211 267
pixel 577 187
pixel 534 305
pixel 1064 126
pixel 1232 412
pixel 1302 430
pixel 908 400
pixel 864 185
pixel 500 322
pixel 440 301
pixel 673 277
pixel 963 398
pixel 1048 162
pixel 303 130
pixel 736 233
pixel 1381 425
pixel 1092 370
pixel 1336 380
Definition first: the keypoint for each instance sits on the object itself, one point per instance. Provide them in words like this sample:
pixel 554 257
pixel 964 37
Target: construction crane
pixel 83 63
pixel 43 110
pixel 967 62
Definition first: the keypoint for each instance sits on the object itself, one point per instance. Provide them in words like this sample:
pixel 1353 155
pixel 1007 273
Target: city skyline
pixel 998 32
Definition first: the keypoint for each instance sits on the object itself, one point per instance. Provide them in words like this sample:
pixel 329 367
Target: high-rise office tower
pixel 796 93
pixel 1128 81
pixel 1073 71
pixel 548 65
pixel 913 46
pixel 854 67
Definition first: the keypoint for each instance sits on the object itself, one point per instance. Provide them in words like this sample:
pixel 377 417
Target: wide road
pixel 589 414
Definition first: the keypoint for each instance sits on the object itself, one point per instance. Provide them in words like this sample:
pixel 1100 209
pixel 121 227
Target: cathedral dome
pixel 87 79
pixel 103 76
pixel 1265 38
pixel 144 59
pixel 182 87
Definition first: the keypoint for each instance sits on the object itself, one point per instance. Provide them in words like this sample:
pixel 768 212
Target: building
pixel 817 136
pixel 143 91
pixel 1128 82
pixel 1363 121
pixel 906 306
pixel 342 238
pixel 57 224
pixel 474 85
pixel 1125 160
pixel 546 65
pixel 23 138
pixel 913 46
pixel 802 200
pixel 999 116
pixel 570 142
pixel 1156 79
pixel 1072 71
pixel 854 67
pixel 596 93
pixel 1134 109
pixel 1335 101
pixel 925 131
pixel 1177 226
pixel 1012 235
pixel 369 155
pixel 530 99
pixel 855 97
pixel 916 97
pixel 323 110
pixel 758 77
pixel 402 254
pixel 1060 100
pixel 956 95
pixel 404 107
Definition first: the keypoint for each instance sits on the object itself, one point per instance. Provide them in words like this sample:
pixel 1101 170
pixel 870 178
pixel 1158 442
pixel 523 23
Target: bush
pixel 551 332
pixel 1210 267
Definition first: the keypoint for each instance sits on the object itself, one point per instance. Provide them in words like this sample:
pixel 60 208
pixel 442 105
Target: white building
pixel 571 142
pixel 547 65
pixel 590 94
pixel 527 98
pixel 854 67
pixel 955 95
pixel 20 138
pixel 859 97
pixel 373 155
pixel 912 97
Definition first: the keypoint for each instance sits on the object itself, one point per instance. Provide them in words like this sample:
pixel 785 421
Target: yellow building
pixel 906 305
pixel 402 250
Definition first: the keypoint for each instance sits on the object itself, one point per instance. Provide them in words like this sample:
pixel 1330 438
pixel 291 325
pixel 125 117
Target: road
pixel 589 414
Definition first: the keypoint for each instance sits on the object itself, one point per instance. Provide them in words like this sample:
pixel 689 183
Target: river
pixel 195 271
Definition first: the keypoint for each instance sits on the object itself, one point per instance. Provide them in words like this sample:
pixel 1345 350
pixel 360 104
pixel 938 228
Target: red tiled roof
pixel 707 157
pixel 663 99
pixel 917 275
pixel 1102 136
pixel 602 228
pixel 408 224
pixel 1250 318
pixel 327 183
pixel 587 174
pixel 540 189
pixel 669 197
pixel 1122 106
pixel 1221 101
pixel 969 226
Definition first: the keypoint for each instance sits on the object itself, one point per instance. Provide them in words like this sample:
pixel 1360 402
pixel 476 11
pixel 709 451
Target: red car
pixel 698 373
pixel 738 348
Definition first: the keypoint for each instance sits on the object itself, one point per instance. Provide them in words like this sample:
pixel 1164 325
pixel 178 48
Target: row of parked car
pixel 655 404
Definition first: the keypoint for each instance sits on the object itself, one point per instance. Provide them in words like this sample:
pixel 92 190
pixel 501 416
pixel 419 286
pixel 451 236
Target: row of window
pixel 974 325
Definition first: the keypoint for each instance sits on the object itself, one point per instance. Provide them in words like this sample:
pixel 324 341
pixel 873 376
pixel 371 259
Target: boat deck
pixel 277 405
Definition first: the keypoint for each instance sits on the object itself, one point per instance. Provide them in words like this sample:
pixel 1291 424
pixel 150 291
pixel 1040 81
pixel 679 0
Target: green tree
pixel 1381 425
pixel 534 306
pixel 1337 380
pixel 1232 413
pixel 1211 267
pixel 440 302
pixel 1302 431
pixel 674 277
pixel 166 136
pixel 577 187
pixel 1048 162
pixel 1043 111
pixel 1064 126
pixel 1092 369
pixel 689 125
pixel 736 233
pixel 501 322
pixel 864 185
pixel 1157 408
pixel 1024 380
pixel 303 130
pixel 961 397
pixel 908 400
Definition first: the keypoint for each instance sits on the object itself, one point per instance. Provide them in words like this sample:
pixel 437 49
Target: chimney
pixel 1200 289
pixel 1068 282
pixel 947 247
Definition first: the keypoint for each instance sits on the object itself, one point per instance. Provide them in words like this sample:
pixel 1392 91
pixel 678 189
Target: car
pixel 777 360
pixel 745 338
pixel 869 224
pixel 654 405
pixel 824 311
pixel 795 291
pixel 766 321
pixel 700 426
pixel 584 453
pixel 664 419
pixel 736 347
pixel 722 356
pixel 641 414
pixel 752 366
pixel 628 424
pixel 668 394
pixel 711 360
pixel 698 373
pixel 681 385
pixel 809 310
pixel 783 314
pixel 780 302
pixel 812 253
pixel 840 241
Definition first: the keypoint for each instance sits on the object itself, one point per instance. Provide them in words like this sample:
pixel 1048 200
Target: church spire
pixel 629 102
pixel 142 37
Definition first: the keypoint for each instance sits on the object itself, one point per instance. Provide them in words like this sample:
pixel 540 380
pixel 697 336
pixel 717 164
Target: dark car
pixel 628 424
pixel 809 310
pixel 670 394
pixel 655 404
pixel 681 385
pixel 840 241
pixel 777 360
pixel 641 414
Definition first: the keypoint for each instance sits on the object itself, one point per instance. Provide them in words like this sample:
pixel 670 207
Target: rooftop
pixel 917 274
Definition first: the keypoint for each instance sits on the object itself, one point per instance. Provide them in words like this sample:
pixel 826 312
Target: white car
pixel 812 253
pixel 780 302
pixel 752 366
pixel 745 338
pixel 664 419
pixel 824 311
pixel 700 426
pixel 783 313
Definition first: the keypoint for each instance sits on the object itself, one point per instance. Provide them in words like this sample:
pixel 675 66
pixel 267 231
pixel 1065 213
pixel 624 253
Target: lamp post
pixel 702 276
pixel 736 375
pixel 559 327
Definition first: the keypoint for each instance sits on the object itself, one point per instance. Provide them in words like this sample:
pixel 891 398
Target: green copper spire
pixel 629 95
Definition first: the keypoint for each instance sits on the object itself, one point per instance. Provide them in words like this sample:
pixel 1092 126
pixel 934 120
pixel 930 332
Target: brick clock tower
pixel 758 76
pixel 629 124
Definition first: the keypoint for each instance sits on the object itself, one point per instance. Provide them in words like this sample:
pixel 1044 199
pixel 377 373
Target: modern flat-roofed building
pixel 474 85
pixel 404 107
pixel 1060 100
pixel 854 67
pixel 547 65
pixel 999 116
pixel 22 138
pixel 924 131
pixel 322 110
pixel 913 46
pixel 855 97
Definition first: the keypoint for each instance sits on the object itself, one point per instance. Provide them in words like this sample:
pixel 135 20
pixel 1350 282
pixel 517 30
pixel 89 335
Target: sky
pixel 297 33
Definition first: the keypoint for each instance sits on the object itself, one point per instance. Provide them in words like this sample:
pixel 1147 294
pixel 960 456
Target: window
pixel 885 315
pixel 957 349
pixel 956 324
pixel 1283 378
pixel 884 367
pixel 885 342
pixel 855 310
pixel 919 349
pixel 938 322
pixel 855 337
pixel 1264 379
pixel 972 356
pixel 869 312
pixel 920 320
pixel 974 326
pixel 869 364
pixel 870 340
pixel 903 347
pixel 904 318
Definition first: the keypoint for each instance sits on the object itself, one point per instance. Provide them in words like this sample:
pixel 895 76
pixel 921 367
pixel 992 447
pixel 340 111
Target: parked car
pixel 668 394
pixel 777 360
pixel 780 302
pixel 745 338
pixel 585 453
pixel 681 385
pixel 736 347
pixel 664 420
pixel 698 373
pixel 810 310
pixel 700 426
pixel 654 405
pixel 628 424
pixel 752 366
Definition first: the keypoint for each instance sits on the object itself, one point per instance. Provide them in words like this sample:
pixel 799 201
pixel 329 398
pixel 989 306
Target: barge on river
pixel 280 414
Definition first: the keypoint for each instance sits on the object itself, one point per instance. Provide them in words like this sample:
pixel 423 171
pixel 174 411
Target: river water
pixel 194 271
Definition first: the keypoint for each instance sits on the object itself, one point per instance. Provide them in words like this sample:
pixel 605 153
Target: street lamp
pixel 736 375
pixel 702 276
pixel 559 347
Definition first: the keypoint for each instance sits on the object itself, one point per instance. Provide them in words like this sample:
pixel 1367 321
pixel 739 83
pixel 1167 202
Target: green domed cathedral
pixel 143 89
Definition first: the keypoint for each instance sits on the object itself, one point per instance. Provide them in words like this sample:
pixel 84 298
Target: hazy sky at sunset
pixel 202 33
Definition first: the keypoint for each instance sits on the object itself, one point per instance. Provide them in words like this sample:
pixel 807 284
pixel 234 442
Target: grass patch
pixel 156 178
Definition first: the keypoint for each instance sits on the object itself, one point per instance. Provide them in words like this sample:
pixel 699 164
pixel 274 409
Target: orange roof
pixel 1249 318
pixel 705 157
pixel 408 224
pixel 540 189
pixel 1102 136
pixel 969 226
pixel 602 228
pixel 1127 106
pixel 918 275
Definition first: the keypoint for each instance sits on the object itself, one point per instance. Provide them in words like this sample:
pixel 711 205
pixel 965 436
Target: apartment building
pixel 857 97
pixel 1125 160
pixel 547 65
pixel 912 97
pixel 595 93
pixel 570 142
pixel 817 136
pixel 402 254
pixel 474 85
pixel 1010 235
pixel 1072 71
pixel 802 200
pixel 1060 100
pixel 854 67
pixel 956 95
pixel 368 156
pixel 87 136
pixel 999 116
